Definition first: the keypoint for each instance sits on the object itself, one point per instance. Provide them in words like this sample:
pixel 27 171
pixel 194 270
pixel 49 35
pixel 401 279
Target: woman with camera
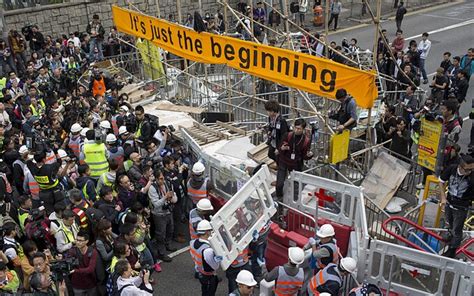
pixel 130 286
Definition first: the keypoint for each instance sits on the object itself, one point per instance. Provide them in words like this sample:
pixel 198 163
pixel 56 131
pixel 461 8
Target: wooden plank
pixel 177 108
pixel 197 136
pixel 232 128
pixel 257 149
pixel 211 131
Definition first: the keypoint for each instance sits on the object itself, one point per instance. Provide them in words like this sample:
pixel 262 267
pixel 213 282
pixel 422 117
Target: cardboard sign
pixel 294 69
pixel 339 147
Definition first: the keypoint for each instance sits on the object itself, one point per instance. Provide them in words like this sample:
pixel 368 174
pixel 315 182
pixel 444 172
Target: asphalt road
pixel 451 29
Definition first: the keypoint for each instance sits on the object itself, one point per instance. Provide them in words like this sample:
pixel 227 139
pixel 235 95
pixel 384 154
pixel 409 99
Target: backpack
pixel 94 215
pixel 111 285
pixel 39 232
pixel 154 122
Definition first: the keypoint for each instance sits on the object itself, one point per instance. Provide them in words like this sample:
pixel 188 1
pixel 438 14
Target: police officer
pixel 330 278
pixel 75 140
pixel 198 185
pixel 95 155
pixel 324 250
pixel 205 260
pixel 347 114
pixel 289 277
pixel 202 211
pixel 246 284
pixel 115 151
pixel 47 176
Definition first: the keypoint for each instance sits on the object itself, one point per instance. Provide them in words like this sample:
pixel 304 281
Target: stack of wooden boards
pixel 259 154
pixel 137 92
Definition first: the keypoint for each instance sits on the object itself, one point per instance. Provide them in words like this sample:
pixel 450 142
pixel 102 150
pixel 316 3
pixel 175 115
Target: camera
pixel 61 269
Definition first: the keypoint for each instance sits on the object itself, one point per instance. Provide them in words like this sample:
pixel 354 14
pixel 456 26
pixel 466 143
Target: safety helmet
pixel 296 255
pixel 61 153
pixel 105 124
pixel 111 138
pixel 325 230
pixel 198 168
pixel 245 277
pixel 84 132
pixel 76 128
pixel 348 264
pixel 124 108
pixel 204 204
pixel 122 130
pixel 203 226
pixel 23 150
pixel 324 294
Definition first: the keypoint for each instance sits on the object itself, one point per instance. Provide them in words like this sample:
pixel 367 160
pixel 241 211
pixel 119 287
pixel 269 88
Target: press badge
pixel 278 126
pixel 292 156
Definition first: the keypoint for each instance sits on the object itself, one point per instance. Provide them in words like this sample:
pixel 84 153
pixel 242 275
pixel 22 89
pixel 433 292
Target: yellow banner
pixel 339 147
pixel 294 69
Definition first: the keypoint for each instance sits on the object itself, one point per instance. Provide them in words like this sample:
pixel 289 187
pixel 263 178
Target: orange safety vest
pixel 196 249
pixel 98 87
pixel 241 259
pixel 74 144
pixel 323 276
pixel 333 250
pixel 288 285
pixel 194 218
pixel 196 194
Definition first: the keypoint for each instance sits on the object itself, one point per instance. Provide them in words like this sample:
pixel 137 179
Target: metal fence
pixel 358 9
pixel 20 4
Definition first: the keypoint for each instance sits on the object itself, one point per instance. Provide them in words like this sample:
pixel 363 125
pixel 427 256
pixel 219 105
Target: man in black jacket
pixel 108 204
pixel 143 130
pixel 36 39
pixel 277 127
pixel 462 86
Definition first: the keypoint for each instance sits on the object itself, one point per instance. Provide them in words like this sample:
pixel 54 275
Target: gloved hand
pixel 218 259
pixel 312 241
pixel 255 235
pixel 261 262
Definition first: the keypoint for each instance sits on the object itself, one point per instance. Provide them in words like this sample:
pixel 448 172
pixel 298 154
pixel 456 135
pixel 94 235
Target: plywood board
pixel 384 178
pixel 164 105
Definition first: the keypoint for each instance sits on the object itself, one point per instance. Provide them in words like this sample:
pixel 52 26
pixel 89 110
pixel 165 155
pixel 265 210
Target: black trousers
pixel 334 17
pixel 455 218
pixel 208 284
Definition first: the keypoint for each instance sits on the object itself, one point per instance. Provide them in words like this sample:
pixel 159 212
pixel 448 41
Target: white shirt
pixel 209 256
pixel 76 40
pixel 424 48
pixel 5 120
pixel 10 252
pixel 133 289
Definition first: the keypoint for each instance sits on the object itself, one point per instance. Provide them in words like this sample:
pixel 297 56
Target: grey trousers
pixel 164 227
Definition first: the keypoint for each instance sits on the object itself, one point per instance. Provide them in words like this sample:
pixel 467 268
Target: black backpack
pixel 154 122
pixel 111 286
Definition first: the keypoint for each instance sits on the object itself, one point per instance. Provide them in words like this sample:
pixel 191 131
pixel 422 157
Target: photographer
pixel 42 285
pixel 83 278
pixel 162 199
pixel 47 176
pixel 130 286
pixel 11 247
pixel 67 232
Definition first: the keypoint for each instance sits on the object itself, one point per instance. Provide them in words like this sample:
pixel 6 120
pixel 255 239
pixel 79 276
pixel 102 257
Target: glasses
pixel 80 240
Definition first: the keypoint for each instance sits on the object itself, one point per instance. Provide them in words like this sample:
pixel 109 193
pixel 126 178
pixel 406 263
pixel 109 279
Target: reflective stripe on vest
pixel 334 253
pixel 75 145
pixel 194 218
pixel 44 183
pixel 324 276
pixel 197 256
pixel 197 194
pixel 82 216
pixel 115 127
pixel 30 185
pixel 50 158
pixel 286 284
pixel 241 259
pixel 68 233
pixel 94 156
pixel 7 184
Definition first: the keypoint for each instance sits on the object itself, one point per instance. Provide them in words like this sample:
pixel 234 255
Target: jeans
pixel 146 258
pixel 422 68
pixel 208 284
pixel 334 17
pixel 93 43
pixel 455 218
pixel 163 231
pixel 231 274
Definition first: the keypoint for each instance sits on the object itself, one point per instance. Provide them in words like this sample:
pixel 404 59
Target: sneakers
pixel 157 267
pixel 425 81
pixel 420 186
pixel 170 248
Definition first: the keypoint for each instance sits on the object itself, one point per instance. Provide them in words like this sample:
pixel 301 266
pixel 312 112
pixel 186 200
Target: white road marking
pixel 462 24
pixel 178 252
pixel 465 118
pixel 444 17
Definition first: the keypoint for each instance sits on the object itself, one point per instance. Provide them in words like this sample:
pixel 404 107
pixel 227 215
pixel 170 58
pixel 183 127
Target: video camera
pixel 61 269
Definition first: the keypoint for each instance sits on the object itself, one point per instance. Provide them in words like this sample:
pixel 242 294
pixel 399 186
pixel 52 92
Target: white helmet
pixel 203 226
pixel 23 150
pixel 61 153
pixel 84 131
pixel 325 230
pixel 296 255
pixel 198 168
pixel 122 130
pixel 204 204
pixel 76 127
pixel 105 124
pixel 111 138
pixel 245 277
pixel 324 294
pixel 349 264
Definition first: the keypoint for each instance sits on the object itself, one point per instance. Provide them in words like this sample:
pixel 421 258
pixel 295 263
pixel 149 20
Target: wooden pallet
pixel 259 154
pixel 208 133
